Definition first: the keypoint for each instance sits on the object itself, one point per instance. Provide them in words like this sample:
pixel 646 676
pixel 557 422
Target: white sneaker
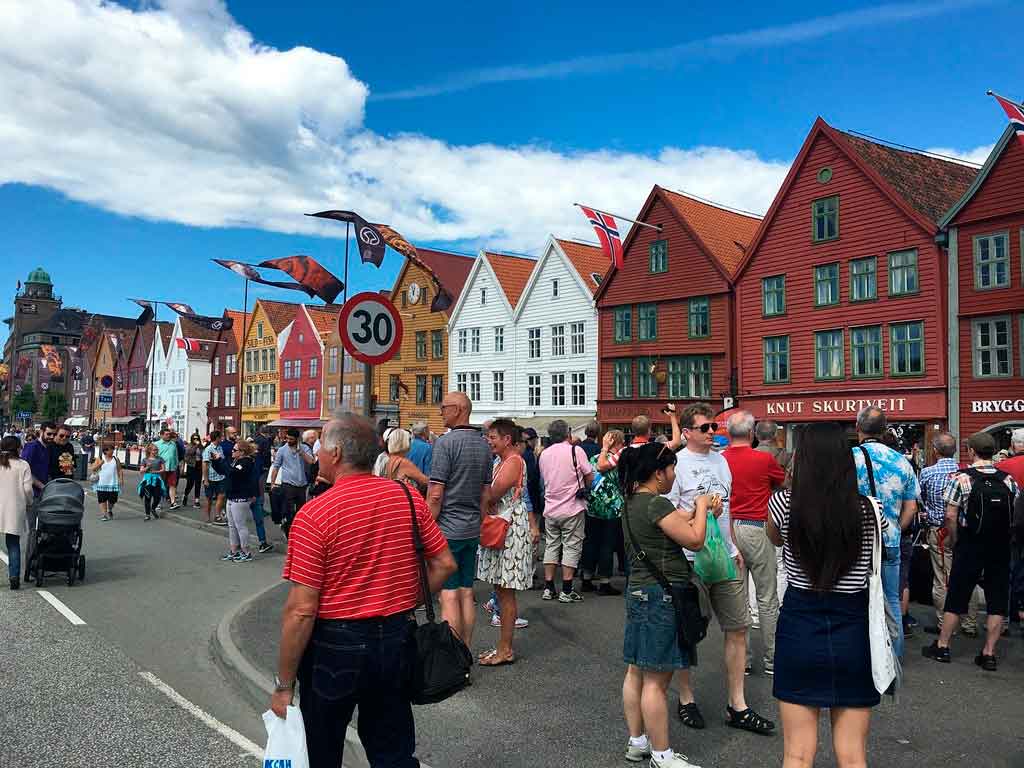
pixel 637 754
pixel 521 623
pixel 678 761
pixel 548 594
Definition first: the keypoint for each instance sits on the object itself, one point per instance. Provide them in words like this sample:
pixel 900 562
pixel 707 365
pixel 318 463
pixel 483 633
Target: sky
pixel 139 140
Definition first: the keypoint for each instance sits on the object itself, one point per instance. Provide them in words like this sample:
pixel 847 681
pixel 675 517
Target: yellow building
pixel 409 387
pixel 268 331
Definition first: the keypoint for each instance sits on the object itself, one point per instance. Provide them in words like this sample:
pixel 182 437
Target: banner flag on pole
pixel 368 236
pixel 181 309
pixel 309 273
pixel 193 345
pixel 249 272
pixel 1015 112
pixel 607 230
pixel 147 311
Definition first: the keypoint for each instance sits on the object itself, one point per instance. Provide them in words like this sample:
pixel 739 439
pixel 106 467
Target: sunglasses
pixel 710 426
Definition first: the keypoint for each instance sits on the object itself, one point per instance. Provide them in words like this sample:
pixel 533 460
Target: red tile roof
pixel 724 233
pixel 166 331
pixel 238 322
pixel 588 259
pixel 512 272
pixel 325 318
pixel 450 269
pixel 279 313
pixel 930 185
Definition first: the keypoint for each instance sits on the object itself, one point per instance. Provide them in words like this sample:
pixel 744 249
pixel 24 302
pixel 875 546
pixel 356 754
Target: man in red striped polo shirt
pixel 355 585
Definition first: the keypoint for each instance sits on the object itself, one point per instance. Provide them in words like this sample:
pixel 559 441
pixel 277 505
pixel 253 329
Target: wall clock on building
pixel 415 292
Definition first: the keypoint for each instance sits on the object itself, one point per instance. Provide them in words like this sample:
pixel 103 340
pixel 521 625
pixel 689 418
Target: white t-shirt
pixel 698 474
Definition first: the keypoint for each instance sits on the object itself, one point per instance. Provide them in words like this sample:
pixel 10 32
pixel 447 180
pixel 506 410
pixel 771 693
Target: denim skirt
pixel 822 652
pixel 651 641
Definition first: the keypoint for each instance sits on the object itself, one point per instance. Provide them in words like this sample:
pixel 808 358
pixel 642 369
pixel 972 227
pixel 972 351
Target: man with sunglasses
pixel 701 471
pixel 37 454
pixel 62 455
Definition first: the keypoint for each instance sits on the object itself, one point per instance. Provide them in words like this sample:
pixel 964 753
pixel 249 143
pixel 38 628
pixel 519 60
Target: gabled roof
pixel 238 321
pixel 324 318
pixel 191 330
pixel 588 260
pixel 990 162
pixel 450 270
pixel 279 313
pixel 724 233
pixel 166 332
pixel 512 273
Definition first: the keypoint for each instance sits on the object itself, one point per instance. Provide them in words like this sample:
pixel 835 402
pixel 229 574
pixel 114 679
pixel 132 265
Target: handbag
pixel 582 493
pixel 691 623
pixel 883 657
pixel 438 666
pixel 494 528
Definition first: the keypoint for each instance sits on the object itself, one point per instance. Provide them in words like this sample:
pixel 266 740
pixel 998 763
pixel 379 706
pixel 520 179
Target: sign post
pixel 370 328
pixel 105 397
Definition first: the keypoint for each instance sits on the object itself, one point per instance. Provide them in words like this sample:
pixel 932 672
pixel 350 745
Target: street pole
pixel 341 388
pixel 241 353
pixel 152 363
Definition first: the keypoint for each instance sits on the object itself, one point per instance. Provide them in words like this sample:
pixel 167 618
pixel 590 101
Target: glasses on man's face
pixel 710 426
pixel 447 405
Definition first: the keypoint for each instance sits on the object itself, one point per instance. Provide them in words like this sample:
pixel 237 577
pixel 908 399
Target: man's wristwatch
pixel 280 687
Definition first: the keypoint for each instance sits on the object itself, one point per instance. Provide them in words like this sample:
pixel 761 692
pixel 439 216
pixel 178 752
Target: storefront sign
pixel 997 406
pixel 912 406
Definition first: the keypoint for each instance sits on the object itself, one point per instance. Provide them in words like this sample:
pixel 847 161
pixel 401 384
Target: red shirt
pixel 353 544
pixel 1014 467
pixel 754 475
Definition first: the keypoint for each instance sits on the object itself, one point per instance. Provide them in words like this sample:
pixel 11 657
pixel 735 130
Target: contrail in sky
pixel 765 37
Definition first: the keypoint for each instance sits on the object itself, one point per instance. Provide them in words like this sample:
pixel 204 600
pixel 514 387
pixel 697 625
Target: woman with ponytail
pixel 15 496
pixel 655 535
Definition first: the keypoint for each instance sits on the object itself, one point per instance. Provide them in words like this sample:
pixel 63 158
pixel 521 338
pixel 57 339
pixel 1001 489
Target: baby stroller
pixel 55 544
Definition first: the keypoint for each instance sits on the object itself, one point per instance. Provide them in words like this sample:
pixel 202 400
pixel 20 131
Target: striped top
pixel 854 580
pixel 353 544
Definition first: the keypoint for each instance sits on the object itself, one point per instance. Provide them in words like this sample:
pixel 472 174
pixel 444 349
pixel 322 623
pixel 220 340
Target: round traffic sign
pixel 107 382
pixel 370 328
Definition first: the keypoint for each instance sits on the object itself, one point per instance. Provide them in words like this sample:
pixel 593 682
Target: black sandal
pixel 749 720
pixel 690 716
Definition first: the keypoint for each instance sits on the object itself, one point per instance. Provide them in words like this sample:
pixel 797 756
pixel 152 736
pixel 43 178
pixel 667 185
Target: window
pixel 579 388
pixel 216 366
pixel 332 360
pixel 578 338
pixel 826 285
pixel 991 261
pixel 421 388
pixel 332 397
pixel 776 359
pixel 216 397
pixel 866 351
pixel 259 329
pixel 864 279
pixel 648 322
pixel 689 377
pixel 232 396
pixel 300 338
pixel 393 388
pixel 700 317
pixel 557 389
pixel 474 341
pixel 474 386
pixel 311 399
pixel 622 379
pixel 557 340
pixel 264 364
pixel 463 341
pixel 903 273
pixel 498 380
pixel 421 345
pixel 461 382
pixel 232 365
pixel 360 394
pixel 533 390
pixel 533 336
pixel 273 360
pixel 991 347
pixel 346 395
pixel 828 355
pixel 825 214
pixel 297 369
pixel 657 253
pixel 314 363
pixel 554 289
pixel 437 344
pixel 906 349
pixel 287 399
pixel 483 296
pixel 647 385
pixel 499 338
pixel 436 388
pixel 623 324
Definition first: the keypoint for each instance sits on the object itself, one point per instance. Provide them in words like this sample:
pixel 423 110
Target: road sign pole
pixel 341 380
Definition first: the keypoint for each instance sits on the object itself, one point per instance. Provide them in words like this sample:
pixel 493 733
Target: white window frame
pixel 578 336
pixel 463 341
pixel 311 399
pixel 558 390
pixel 558 340
pixel 499 338
pixel 474 341
pixel 461 383
pixel 498 385
pixel 533 390
pixel 991 263
pixel 977 349
pixel 474 386
pixel 578 388
pixel 533 343
pixel 554 289
pixel 313 366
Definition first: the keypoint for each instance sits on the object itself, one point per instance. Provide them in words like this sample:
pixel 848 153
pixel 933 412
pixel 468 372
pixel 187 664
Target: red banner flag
pixel 308 273
pixel 1015 112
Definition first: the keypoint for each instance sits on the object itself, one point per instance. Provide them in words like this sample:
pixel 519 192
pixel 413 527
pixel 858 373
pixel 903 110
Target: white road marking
pixel 226 731
pixel 62 609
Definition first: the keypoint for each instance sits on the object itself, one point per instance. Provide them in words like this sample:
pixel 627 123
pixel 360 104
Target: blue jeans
pixel 358 663
pixel 13 543
pixel 257 517
pixel 891 587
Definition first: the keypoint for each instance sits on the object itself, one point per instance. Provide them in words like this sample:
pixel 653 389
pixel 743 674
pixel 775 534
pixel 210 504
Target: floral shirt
pixel 895 482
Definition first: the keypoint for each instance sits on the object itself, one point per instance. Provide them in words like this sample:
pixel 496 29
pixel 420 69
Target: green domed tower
pixel 38 285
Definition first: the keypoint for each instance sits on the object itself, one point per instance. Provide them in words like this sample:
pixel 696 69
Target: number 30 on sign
pixel 370 328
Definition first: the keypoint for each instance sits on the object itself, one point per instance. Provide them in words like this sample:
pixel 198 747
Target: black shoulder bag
pixel 691 624
pixel 438 665
pixel 582 493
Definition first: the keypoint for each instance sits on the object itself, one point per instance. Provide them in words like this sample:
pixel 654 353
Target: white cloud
pixel 976 156
pixel 174 113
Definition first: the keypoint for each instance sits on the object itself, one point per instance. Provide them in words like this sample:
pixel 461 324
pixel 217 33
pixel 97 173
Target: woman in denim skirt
pixel 651 649
pixel 822 652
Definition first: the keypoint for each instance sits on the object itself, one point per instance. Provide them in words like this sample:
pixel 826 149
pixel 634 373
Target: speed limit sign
pixel 370 328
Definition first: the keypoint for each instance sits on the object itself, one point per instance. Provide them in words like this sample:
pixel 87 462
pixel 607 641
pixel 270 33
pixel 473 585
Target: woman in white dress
pixel 15 496
pixel 511 567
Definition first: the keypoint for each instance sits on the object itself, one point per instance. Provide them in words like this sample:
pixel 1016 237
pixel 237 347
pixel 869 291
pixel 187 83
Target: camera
pixel 583 494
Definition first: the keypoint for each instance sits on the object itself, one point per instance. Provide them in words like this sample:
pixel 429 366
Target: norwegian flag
pixel 607 232
pixel 1015 112
pixel 189 345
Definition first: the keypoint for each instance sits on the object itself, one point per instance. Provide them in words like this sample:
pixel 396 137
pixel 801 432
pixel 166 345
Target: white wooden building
pixel 181 379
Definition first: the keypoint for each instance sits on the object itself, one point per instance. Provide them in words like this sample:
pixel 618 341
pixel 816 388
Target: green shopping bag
pixel 713 563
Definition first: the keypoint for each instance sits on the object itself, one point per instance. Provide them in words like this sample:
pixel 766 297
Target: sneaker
pixel 677 761
pixel 265 547
pixel 521 623
pixel 174 505
pixel 748 670
pixel 227 557
pixel 935 653
pixel 489 606
pixel 588 586
pixel 156 514
pixel 147 518
pixel 220 521
pixel 196 505
pixel 548 594
pixel 570 597
pixel 608 590
pixel 755 624
pixel 244 557
pixel 911 621
pixel 988 663
pixel 769 668
pixel 638 754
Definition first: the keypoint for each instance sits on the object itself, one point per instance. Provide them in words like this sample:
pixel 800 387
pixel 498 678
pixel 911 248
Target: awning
pixel 541 423
pixel 298 423
pixel 76 421
pixel 123 419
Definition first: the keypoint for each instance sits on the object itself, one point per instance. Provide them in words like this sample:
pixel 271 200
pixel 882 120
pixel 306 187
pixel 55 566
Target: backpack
pixel 990 502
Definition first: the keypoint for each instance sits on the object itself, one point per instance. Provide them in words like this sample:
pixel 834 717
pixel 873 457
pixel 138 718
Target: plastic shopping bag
pixel 286 740
pixel 713 563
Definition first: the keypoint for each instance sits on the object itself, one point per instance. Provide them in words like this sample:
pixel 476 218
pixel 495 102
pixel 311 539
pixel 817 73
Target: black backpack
pixel 990 502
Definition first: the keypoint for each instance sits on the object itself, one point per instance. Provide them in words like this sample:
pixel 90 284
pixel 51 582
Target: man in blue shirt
pixel 890 479
pixel 421 453
pixel 288 475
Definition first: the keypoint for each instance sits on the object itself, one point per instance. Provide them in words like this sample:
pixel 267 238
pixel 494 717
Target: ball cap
pixel 529 433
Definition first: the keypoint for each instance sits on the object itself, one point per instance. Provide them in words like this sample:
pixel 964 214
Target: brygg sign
pixel 997 406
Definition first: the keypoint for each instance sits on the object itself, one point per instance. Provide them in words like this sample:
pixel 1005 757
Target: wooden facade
pixel 267 335
pixel 225 408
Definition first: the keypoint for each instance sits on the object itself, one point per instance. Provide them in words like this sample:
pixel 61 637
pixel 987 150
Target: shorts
pixel 106 497
pixel 563 540
pixel 214 488
pixel 906 558
pixel 729 602
pixel 171 478
pixel 464 552
pixel 972 557
pixel 651 642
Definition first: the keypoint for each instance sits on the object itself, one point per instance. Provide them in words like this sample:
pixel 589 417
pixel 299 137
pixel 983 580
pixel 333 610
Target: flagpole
pixel 341 389
pixel 656 227
pixel 152 363
pixel 241 354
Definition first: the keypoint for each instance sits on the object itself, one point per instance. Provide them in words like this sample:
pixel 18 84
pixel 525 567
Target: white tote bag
pixel 883 657
pixel 286 740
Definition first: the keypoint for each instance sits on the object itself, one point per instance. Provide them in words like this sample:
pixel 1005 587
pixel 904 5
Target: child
pixel 109 480
pixel 151 486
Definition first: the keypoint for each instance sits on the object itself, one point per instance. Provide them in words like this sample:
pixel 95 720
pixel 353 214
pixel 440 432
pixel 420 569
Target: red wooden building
pixel 665 319
pixel 302 362
pixel 225 408
pixel 986 297
pixel 841 298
